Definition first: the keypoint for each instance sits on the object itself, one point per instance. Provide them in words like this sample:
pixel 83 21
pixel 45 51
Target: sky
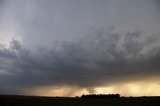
pixel 74 47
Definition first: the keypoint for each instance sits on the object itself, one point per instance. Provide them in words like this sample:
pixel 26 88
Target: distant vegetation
pixel 101 96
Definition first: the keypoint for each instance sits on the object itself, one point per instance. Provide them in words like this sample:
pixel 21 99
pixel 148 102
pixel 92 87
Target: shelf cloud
pixel 100 58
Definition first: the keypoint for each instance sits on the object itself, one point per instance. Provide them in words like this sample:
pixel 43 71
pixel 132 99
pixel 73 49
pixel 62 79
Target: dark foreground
pixel 60 101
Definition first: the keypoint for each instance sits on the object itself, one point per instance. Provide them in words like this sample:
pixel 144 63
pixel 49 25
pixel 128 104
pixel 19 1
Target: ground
pixel 66 101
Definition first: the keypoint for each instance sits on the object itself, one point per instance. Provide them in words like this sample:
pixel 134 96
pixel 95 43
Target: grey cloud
pixel 51 20
pixel 91 90
pixel 99 58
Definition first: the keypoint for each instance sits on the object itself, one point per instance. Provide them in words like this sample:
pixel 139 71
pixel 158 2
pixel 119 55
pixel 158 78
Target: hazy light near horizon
pixel 132 89
pixel 148 87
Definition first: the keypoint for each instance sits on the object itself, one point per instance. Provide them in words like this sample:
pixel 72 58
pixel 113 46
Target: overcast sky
pixel 78 44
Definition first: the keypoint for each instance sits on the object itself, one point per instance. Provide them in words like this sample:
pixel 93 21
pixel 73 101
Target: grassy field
pixel 60 101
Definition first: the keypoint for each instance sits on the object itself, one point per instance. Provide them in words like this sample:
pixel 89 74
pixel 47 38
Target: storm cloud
pixel 99 58
pixel 77 44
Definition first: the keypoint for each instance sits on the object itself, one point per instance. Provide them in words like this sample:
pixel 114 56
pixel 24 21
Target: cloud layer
pixel 102 57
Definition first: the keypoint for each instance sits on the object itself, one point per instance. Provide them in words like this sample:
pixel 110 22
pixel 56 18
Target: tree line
pixel 100 96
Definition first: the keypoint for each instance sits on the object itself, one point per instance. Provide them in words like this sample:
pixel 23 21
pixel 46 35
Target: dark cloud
pixel 100 58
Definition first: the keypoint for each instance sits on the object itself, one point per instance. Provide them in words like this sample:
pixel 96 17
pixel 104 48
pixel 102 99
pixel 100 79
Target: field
pixel 66 101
